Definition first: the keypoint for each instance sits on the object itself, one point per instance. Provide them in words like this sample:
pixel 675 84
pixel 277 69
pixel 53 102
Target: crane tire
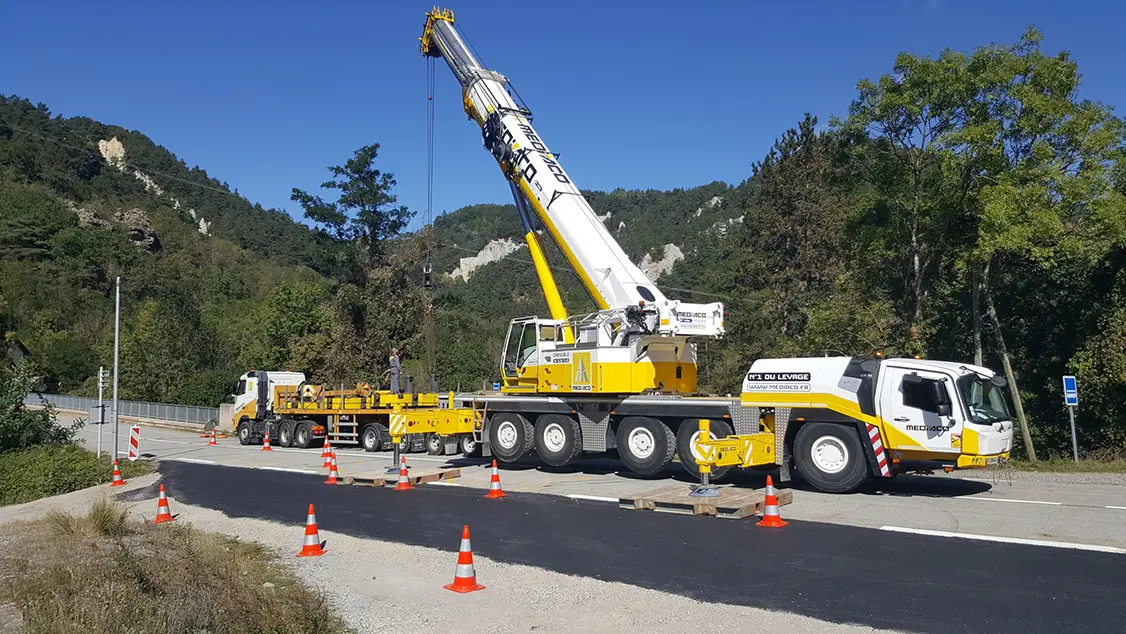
pixel 830 457
pixel 646 445
pixel 686 436
pixel 511 436
pixel 558 439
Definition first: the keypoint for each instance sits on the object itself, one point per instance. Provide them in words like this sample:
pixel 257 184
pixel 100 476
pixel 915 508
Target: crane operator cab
pixel 608 352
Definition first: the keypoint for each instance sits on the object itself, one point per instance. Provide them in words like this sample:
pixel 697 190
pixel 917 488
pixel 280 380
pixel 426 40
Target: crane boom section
pixel 609 276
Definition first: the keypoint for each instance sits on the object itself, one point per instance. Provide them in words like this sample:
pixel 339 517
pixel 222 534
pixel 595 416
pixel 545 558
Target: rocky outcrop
pixel 113 151
pixel 89 218
pixel 656 268
pixel 493 251
pixel 715 200
pixel 136 222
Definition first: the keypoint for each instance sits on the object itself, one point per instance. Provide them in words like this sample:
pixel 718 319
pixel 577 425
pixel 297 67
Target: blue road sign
pixel 1070 391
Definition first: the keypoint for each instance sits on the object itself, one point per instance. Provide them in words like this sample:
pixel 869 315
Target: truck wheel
pixel 435 445
pixel 646 445
pixel 469 447
pixel 243 432
pixel 302 435
pixel 558 439
pixel 686 437
pixel 830 457
pixel 510 436
pixel 371 439
pixel 285 434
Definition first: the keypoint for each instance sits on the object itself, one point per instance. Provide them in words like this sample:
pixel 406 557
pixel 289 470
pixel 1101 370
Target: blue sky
pixel 266 95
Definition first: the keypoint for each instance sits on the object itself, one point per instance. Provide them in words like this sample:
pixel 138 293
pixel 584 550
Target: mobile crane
pixel 624 377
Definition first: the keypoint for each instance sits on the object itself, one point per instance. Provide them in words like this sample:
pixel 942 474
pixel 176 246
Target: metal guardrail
pixel 129 409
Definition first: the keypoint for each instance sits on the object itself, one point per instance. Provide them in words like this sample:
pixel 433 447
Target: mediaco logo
pixel 580 372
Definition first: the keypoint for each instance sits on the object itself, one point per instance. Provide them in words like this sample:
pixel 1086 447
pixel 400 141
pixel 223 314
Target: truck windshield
pixel 985 402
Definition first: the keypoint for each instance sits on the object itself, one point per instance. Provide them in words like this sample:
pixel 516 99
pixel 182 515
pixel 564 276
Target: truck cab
pixel 840 420
pixel 254 393
pixel 943 412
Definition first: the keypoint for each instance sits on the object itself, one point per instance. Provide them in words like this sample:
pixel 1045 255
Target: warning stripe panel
pixel 134 443
pixel 878 448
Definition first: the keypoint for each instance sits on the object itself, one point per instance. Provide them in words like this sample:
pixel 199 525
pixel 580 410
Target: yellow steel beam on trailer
pixel 446 421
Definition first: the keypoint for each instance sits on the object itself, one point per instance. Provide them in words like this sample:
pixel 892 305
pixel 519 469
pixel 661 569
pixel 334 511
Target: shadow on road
pixel 936 486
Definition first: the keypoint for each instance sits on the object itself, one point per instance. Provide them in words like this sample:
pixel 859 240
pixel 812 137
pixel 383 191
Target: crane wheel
pixel 558 439
pixel 686 436
pixel 830 457
pixel 645 445
pixel 510 436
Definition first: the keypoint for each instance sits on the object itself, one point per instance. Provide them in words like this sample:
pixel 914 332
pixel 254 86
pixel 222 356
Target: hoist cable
pixel 427 314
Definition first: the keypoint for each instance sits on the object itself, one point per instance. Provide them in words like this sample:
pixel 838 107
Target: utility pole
pixel 101 407
pixel 116 358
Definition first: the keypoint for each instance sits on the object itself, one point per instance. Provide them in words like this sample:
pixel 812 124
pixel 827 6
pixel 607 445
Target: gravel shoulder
pixel 387 587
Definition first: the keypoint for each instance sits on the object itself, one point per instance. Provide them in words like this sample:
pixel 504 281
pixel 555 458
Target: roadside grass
pixel 46 470
pixel 104 573
pixel 1112 462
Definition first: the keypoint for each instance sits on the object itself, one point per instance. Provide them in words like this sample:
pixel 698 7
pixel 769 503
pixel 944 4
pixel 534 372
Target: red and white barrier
pixel 134 443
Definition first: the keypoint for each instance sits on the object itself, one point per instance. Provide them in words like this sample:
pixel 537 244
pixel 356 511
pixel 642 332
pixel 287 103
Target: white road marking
pixel 1007 540
pixel 447 484
pixel 1117 508
pixel 1012 500
pixel 595 498
pixel 288 470
pixel 194 460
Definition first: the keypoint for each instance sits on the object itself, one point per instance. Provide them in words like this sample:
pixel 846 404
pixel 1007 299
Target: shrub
pixel 48 470
pixel 21 427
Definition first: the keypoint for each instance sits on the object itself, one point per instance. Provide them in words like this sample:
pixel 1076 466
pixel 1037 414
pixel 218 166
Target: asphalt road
pixel 1073 509
pixel 842 574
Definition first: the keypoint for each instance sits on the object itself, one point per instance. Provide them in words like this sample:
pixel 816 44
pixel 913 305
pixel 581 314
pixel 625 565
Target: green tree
pixel 365 211
pixel 997 149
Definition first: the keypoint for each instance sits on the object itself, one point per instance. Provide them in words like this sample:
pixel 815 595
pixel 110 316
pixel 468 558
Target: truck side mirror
pixel 943 409
pixel 941 397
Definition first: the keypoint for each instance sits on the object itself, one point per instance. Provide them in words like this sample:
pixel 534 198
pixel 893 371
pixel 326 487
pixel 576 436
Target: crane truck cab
pixel 841 420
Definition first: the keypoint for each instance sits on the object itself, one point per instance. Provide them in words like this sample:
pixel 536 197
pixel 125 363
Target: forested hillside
pixel 970 206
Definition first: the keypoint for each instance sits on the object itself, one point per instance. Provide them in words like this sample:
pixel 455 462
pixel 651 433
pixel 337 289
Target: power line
pixel 556 269
pixel 429 195
pixel 131 166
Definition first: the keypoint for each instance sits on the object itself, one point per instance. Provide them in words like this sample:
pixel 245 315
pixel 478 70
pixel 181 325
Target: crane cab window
pixel 522 343
pixel 549 333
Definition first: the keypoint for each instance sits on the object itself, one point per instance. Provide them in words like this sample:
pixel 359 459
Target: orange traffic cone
pixel 494 483
pixel 213 441
pixel 332 474
pixel 313 546
pixel 326 452
pixel 328 459
pixel 404 483
pixel 266 439
pixel 117 480
pixel 465 578
pixel 162 512
pixel 770 516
